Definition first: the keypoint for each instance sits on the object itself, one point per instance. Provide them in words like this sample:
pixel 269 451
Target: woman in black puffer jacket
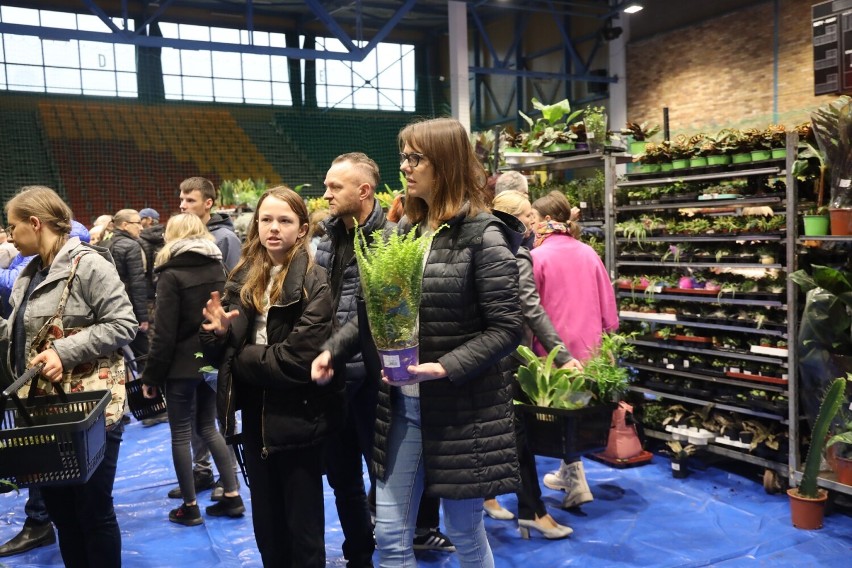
pixel 275 315
pixel 448 430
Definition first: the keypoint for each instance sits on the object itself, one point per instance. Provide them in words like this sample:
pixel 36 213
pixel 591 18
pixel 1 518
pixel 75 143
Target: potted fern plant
pixel 391 272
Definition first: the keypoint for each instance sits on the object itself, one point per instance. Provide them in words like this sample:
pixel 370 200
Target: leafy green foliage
pixel 546 385
pixel 391 278
pixel 608 379
pixel 241 192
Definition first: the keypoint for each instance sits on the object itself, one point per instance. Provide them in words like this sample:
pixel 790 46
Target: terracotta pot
pixel 807 514
pixel 841 221
pixel 843 468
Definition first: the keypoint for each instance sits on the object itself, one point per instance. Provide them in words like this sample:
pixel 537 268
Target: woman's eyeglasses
pixel 413 158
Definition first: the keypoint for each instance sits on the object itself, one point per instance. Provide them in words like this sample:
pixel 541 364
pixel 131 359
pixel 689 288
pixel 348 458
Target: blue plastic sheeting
pixel 640 517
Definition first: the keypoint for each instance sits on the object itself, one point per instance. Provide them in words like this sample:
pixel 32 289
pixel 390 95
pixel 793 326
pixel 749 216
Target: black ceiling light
pixel 610 32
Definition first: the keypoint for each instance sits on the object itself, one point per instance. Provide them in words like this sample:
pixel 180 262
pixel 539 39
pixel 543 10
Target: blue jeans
pixel 89 536
pixel 398 497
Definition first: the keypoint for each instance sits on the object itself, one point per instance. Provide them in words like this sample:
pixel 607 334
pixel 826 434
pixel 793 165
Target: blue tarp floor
pixel 640 517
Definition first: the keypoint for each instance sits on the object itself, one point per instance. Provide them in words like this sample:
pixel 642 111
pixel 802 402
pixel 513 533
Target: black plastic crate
pixel 566 434
pixel 64 444
pixel 140 406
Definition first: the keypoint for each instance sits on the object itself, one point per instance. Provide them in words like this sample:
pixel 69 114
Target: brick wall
pixel 720 73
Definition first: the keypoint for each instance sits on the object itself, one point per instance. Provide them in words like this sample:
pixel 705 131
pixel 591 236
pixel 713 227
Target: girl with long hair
pixel 262 335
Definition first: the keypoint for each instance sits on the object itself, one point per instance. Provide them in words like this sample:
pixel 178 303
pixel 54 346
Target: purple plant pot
pixel 395 362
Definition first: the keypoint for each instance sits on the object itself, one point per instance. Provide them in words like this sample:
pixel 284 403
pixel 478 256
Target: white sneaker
pixel 571 478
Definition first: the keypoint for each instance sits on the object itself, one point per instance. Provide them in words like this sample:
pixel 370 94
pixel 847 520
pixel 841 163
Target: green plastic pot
pixel 680 164
pixel 666 167
pixel 816 225
pixel 697 162
pixel 722 160
pixel 637 148
pixel 743 158
pixel 759 155
pixel 778 153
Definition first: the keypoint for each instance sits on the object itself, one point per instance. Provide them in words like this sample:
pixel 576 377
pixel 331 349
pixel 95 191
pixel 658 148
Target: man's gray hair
pixel 511 181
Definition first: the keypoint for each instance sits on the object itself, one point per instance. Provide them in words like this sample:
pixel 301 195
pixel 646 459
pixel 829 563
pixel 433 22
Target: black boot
pixel 31 536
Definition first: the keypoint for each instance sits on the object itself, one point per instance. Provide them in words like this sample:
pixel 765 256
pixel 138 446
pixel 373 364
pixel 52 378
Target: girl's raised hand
pixel 218 320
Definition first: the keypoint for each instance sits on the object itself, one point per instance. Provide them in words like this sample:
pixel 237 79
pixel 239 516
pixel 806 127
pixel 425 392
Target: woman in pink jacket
pixel 577 295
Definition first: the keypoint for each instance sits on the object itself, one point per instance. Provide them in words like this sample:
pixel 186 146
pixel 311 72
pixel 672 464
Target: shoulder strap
pixel 60 310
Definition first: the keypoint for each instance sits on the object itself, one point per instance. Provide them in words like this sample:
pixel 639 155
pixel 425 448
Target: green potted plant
pixel 391 271
pixel 807 501
pixel 811 164
pixel 839 448
pixel 640 133
pixel 681 151
pixel 594 118
pixel 742 143
pixel 775 136
pixel 680 457
pixel 832 126
pixel 551 126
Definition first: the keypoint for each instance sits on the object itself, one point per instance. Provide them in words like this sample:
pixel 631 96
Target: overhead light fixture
pixel 633 8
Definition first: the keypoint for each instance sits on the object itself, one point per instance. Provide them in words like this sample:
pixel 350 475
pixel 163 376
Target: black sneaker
pixel 227 507
pixel 433 539
pixel 203 482
pixel 218 491
pixel 186 515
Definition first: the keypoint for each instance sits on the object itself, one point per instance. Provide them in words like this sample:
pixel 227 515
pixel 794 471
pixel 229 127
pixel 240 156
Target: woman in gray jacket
pixel 40 223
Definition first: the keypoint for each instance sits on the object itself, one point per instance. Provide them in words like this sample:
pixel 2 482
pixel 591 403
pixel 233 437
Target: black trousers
pixel 84 516
pixel 287 502
pixel 344 459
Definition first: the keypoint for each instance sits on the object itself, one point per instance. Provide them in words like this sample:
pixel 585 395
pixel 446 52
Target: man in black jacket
pixel 350 191
pixel 130 262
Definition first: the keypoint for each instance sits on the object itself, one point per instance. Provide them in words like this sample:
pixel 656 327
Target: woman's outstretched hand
pixel 218 320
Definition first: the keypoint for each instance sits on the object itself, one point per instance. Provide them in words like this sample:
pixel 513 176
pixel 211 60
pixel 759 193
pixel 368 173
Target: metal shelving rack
pixel 785 203
pixel 826 479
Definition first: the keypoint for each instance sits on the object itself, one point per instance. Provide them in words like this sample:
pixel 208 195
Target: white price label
pixel 590 135
pixel 391 361
pixel 686 363
pixel 584 205
pixel 669 366
pixel 845 182
pixel 675 466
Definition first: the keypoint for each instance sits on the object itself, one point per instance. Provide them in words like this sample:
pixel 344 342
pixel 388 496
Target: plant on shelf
pixel 839 447
pixel 653 415
pixel 594 119
pixel 640 132
pixel 775 136
pixel 832 126
pixel 513 141
pixel 483 145
pixel 808 492
pixel 552 126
